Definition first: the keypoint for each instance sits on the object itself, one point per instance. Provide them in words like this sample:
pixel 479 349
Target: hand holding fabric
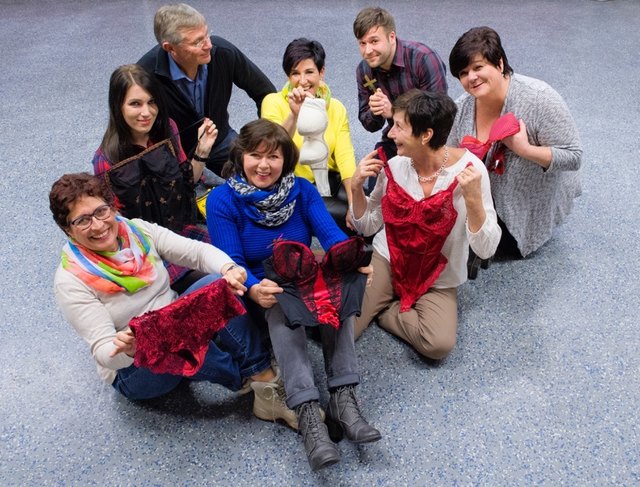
pixel 125 342
pixel 369 166
pixel 264 293
pixel 518 142
pixel 236 277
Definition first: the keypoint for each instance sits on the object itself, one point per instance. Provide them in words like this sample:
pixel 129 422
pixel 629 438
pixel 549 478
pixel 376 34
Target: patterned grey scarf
pixel 268 208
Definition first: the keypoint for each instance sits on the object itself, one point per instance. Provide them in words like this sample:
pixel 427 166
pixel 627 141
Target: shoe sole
pixel 326 464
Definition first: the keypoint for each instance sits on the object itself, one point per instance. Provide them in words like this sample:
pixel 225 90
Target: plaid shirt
pixel 414 66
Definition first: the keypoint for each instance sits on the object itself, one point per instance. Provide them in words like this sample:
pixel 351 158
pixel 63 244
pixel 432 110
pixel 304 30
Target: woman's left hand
pixel 125 342
pixel 207 134
pixel 519 142
pixel 235 278
pixel 469 180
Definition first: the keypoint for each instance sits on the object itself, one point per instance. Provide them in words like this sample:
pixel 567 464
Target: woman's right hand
pixel 296 98
pixel 264 293
pixel 369 166
pixel 235 277
pixel 125 342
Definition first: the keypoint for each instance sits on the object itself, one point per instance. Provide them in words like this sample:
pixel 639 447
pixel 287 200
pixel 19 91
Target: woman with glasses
pixel 111 271
pixel 142 160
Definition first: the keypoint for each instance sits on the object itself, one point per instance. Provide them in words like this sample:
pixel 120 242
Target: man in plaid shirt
pixel 389 68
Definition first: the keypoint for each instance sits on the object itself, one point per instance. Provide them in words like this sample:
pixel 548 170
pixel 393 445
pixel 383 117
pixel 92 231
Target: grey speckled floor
pixel 544 385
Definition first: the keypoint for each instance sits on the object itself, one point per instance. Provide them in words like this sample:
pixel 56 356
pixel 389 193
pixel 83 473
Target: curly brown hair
pixel 70 187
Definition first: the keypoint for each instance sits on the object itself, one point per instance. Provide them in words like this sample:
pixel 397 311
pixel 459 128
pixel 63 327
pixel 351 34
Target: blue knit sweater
pixel 249 243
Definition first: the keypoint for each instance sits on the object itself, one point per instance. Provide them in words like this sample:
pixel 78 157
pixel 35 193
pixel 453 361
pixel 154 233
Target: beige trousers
pixel 430 326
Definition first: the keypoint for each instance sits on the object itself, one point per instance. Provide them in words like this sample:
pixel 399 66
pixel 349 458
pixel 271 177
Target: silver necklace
pixel 428 179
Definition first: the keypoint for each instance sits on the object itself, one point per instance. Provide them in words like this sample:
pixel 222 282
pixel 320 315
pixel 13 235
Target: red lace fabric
pixel 175 339
pixel 505 126
pixel 416 232
pixel 319 284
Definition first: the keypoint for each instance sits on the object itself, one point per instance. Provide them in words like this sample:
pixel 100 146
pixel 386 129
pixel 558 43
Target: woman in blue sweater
pixel 261 203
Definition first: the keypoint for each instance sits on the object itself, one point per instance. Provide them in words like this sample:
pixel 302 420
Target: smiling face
pixel 305 74
pixel 377 48
pixel 101 235
pixel 139 111
pixel 193 50
pixel 407 144
pixel 481 78
pixel 263 167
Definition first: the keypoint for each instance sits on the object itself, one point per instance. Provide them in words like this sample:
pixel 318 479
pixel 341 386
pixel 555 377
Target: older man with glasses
pixel 198 71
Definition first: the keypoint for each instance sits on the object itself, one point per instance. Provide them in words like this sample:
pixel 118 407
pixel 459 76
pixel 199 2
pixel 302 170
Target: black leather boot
pixel 344 417
pixel 321 451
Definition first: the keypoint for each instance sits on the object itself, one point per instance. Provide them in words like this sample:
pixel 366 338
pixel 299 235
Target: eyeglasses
pixel 199 44
pixel 83 222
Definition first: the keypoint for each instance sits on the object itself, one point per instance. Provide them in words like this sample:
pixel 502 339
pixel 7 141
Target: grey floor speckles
pixel 543 387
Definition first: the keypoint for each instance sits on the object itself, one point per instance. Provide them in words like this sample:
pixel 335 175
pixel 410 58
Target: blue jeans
pixel 236 352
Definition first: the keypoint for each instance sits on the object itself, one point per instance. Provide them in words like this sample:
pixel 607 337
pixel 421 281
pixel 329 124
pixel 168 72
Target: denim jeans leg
pixel 202 282
pixel 219 367
pixel 237 351
pixel 244 342
pixel 290 349
pixel 340 360
pixel 137 383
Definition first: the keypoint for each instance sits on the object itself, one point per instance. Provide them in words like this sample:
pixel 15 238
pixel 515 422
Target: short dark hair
pixel 299 50
pixel 371 17
pixel 70 187
pixel 427 110
pixel 251 136
pixel 479 40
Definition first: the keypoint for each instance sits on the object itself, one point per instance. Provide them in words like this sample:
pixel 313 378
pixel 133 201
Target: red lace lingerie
pixel 505 126
pixel 319 293
pixel 416 232
pixel 174 339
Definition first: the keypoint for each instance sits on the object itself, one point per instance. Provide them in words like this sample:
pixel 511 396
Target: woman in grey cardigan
pixel 533 158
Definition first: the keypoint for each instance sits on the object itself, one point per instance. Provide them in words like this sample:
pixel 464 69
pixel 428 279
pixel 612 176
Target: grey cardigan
pixel 530 200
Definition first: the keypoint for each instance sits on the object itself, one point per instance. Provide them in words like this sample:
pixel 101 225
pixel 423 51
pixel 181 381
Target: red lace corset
pixel 416 232
pixel 321 286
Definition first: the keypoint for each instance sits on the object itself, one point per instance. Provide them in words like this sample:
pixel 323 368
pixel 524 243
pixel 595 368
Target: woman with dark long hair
pixel 141 159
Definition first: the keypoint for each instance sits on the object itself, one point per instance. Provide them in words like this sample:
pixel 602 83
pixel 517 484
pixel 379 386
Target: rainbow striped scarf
pixel 129 269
